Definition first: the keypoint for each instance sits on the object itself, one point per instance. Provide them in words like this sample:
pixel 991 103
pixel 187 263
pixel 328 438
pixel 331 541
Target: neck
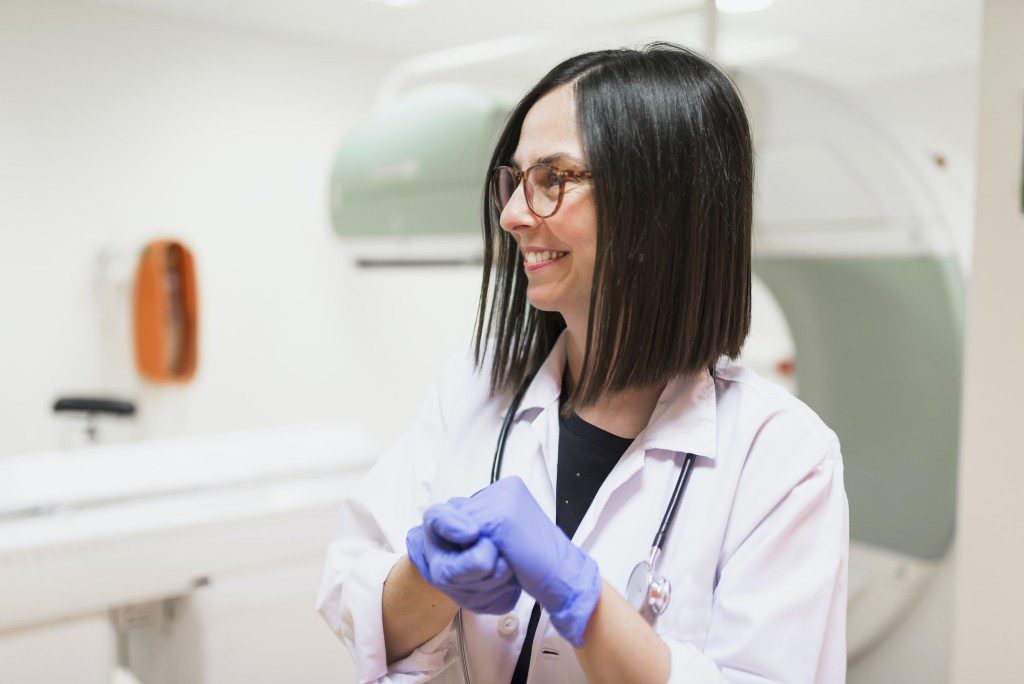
pixel 624 413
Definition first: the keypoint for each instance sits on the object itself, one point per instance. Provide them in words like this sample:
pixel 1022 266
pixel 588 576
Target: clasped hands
pixel 482 551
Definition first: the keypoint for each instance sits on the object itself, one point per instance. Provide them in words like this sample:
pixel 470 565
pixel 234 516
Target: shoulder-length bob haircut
pixel 665 135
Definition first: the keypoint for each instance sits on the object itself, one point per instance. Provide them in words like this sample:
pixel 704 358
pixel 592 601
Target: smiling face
pixel 561 285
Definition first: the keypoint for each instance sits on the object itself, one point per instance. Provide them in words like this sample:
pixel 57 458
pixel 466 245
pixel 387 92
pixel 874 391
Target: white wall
pixel 988 597
pixel 936 115
pixel 117 127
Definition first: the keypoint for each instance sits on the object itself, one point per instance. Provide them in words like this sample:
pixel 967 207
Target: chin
pixel 542 303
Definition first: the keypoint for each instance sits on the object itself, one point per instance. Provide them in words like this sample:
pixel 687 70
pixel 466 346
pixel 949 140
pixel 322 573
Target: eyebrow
pixel 549 158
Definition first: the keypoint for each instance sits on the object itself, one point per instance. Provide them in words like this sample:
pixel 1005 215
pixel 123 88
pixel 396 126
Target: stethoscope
pixel 645 590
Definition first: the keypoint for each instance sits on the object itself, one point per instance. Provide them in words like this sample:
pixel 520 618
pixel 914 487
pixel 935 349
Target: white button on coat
pixel 757 555
pixel 508 625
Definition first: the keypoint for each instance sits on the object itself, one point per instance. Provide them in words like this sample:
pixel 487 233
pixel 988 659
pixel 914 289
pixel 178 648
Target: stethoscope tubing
pixel 499 453
pixel 677 491
pixel 677 494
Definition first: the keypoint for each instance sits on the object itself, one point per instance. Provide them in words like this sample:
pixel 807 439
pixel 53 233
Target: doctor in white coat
pixel 617 226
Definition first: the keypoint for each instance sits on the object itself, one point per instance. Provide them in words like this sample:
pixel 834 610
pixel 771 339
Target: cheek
pixel 579 237
pixel 584 256
pixel 584 269
pixel 585 234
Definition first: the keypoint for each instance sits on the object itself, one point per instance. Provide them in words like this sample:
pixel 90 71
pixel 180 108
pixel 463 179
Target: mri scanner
pixel 860 271
pixel 859 283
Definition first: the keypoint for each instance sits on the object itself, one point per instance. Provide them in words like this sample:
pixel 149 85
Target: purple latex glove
pixel 452 557
pixel 564 580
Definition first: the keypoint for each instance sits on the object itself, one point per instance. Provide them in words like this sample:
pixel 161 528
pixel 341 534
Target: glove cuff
pixel 570 599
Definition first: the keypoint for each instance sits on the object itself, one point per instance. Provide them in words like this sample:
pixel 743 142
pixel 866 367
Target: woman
pixel 622 191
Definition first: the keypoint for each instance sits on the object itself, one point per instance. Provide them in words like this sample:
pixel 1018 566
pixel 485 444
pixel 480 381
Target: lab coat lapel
pixel 628 466
pixel 684 420
pixel 543 487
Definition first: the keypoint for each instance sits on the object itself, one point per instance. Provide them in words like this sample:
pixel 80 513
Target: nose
pixel 516 213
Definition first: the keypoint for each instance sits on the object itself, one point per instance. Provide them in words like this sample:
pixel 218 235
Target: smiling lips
pixel 535 260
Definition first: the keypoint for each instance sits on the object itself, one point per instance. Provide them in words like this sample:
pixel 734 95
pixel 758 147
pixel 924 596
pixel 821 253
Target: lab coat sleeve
pixel 370 539
pixel 779 607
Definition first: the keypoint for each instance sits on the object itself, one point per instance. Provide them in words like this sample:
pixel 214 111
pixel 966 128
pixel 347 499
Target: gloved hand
pixel 564 580
pixel 454 558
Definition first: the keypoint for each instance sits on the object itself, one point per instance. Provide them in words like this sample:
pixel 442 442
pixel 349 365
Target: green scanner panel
pixel 416 167
pixel 878 357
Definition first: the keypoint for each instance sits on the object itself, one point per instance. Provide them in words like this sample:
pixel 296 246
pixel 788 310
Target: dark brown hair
pixel 664 132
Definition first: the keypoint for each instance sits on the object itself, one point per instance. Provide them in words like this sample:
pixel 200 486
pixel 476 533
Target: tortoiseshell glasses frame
pixel 501 191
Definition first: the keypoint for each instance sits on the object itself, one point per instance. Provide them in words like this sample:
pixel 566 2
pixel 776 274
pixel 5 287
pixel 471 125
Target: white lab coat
pixel 757 555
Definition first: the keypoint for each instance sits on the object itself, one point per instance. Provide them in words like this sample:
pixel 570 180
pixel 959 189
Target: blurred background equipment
pixel 88 410
pixel 405 178
pixel 161 558
pixel 166 316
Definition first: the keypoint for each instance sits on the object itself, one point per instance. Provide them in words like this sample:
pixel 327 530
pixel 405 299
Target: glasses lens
pixel 542 190
pixel 502 186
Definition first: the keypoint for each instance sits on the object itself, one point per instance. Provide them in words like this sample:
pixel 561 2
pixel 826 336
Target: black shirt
pixel 586 454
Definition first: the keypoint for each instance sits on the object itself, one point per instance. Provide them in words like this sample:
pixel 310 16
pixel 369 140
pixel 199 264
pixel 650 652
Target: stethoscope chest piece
pixel 647 590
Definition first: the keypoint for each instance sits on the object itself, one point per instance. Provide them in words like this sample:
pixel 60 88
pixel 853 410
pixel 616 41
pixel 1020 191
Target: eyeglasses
pixel 544 187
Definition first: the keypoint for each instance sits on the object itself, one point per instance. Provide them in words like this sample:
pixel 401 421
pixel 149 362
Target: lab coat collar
pixel 684 420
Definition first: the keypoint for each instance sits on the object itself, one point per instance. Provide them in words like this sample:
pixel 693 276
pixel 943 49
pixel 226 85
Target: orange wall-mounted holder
pixel 165 308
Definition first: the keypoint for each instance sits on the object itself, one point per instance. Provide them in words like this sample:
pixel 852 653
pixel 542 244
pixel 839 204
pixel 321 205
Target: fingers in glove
pixel 478 591
pixel 414 545
pixel 491 507
pixel 502 570
pixel 501 574
pixel 505 601
pixel 451 524
pixel 472 564
pixel 499 580
pixel 494 603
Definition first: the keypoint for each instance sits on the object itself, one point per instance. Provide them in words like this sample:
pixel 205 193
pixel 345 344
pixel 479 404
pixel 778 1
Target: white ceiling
pixel 854 42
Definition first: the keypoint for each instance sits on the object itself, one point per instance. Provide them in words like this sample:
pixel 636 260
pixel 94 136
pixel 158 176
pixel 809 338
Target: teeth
pixel 537 257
